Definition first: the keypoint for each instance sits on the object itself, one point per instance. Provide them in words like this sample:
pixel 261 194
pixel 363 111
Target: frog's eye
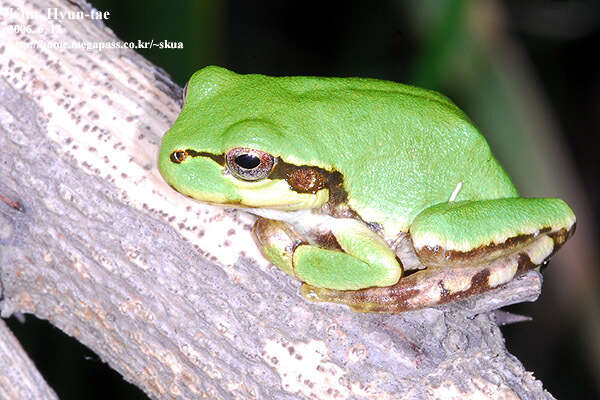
pixel 185 88
pixel 249 164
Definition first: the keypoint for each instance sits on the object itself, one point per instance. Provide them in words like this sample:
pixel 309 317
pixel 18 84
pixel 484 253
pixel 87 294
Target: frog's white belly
pixel 305 222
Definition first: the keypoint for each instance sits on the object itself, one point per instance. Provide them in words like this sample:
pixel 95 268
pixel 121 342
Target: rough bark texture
pixel 19 379
pixel 171 293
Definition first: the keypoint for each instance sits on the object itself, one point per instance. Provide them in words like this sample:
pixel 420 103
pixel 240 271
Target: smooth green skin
pixel 402 152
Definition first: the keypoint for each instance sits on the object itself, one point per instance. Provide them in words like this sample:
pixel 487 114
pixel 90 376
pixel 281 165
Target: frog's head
pixel 225 149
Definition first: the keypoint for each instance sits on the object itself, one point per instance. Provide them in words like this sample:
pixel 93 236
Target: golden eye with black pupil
pixel 249 164
pixel 185 89
pixel 178 156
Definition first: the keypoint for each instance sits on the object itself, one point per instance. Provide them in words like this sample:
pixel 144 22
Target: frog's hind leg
pixel 470 233
pixel 468 248
pixel 437 285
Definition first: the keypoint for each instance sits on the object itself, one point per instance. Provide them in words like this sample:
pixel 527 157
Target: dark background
pixel 526 73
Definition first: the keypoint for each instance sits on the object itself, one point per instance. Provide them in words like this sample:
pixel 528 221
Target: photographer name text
pixel 57 13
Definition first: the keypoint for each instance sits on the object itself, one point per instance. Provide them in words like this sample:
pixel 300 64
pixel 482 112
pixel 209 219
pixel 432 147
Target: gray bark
pixel 173 294
pixel 19 379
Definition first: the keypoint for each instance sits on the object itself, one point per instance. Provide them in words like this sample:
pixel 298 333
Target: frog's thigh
pixel 362 260
pixel 474 232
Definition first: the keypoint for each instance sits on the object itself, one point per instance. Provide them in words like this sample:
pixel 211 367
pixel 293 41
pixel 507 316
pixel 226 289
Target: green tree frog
pixel 357 182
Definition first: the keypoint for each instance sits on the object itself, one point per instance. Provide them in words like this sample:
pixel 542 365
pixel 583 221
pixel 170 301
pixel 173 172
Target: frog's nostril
pixel 178 156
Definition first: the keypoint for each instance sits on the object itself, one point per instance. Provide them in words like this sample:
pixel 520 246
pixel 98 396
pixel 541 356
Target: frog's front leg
pixel 468 247
pixel 346 255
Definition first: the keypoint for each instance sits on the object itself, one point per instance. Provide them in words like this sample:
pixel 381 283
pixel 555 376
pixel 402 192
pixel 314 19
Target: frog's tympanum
pixel 355 181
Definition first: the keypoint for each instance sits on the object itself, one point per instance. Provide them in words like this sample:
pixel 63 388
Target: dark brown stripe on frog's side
pixel 310 179
pixel 307 179
pixel 302 179
pixel 218 158
pixel 438 256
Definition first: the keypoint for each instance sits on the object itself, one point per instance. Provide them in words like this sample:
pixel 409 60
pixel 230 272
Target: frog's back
pixel 400 148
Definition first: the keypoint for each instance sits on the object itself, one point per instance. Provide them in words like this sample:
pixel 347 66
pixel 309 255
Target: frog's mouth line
pixel 239 205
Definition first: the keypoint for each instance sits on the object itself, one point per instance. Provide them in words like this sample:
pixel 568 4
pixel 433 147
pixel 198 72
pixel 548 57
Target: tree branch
pixel 173 294
pixel 19 378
